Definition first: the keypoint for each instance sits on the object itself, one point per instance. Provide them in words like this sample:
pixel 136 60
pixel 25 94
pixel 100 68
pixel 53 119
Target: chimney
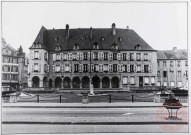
pixel 91 34
pixel 127 27
pixel 67 31
pixel 175 49
pixel 113 29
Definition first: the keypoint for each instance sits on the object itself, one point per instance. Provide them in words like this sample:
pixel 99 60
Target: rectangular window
pixel 131 68
pixel 146 57
pixel 85 67
pixel 114 67
pixel 57 68
pixel 36 54
pixel 114 56
pixel 74 56
pixel 85 56
pixel 158 83
pixel 179 73
pixel 125 80
pixel 164 63
pixel 146 68
pixel 67 68
pixel 124 68
pixel 186 73
pixel 138 68
pixel 35 67
pixel 96 68
pixel 132 80
pixel 165 83
pixel 95 55
pixel 178 63
pixel 138 56
pixel 152 80
pixel 171 63
pixel 131 56
pixel 105 56
pixel 146 80
pixel 76 67
pixel 179 84
pixel 158 73
pixel 164 73
pixel 105 68
pixel 124 56
pixel 58 56
pixel 172 84
pixel 158 63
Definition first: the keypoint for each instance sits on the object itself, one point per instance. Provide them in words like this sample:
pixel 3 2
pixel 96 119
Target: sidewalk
pixel 88 105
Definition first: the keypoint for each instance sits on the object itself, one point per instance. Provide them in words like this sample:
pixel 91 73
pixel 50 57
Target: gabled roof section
pixel 126 39
pixel 180 54
pixel 41 37
pixel 161 55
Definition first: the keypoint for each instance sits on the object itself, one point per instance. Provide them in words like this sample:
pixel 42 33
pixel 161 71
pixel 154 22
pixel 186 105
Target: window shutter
pixel 92 67
pixel 111 56
pixel 135 68
pixel 128 56
pixel 81 56
pixel 70 68
pixel 53 68
pixel 118 68
pixel 54 57
pixel 80 68
pixel 102 55
pixel 149 56
pixel 77 57
pixel 118 56
pixel 92 55
pixel 123 70
pixel 88 67
pixel 88 55
pixel 128 67
pixel 121 67
pixel 150 68
pixel 47 68
pixel 111 67
pixel 39 68
pixel 134 56
pixel 142 56
pixel 121 56
pixel 61 55
pixel 142 68
pixel 99 56
pixel 68 56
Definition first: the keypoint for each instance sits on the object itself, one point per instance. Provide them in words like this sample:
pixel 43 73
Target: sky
pixel 162 25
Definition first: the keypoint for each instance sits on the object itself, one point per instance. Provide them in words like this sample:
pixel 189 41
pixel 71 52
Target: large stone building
pixel 13 63
pixel 172 68
pixel 106 57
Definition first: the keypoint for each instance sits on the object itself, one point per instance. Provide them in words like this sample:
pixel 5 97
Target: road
pixel 84 120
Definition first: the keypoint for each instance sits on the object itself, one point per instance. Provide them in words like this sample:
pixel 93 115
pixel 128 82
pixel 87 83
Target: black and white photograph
pixel 95 67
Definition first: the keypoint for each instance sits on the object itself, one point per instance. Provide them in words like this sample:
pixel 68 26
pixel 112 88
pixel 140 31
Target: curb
pixel 92 123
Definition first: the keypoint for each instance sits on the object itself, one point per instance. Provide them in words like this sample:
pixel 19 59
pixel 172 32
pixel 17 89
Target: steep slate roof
pixel 129 39
pixel 171 54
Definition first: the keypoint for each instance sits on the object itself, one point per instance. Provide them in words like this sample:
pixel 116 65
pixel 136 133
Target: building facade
pixel 106 58
pixel 12 66
pixel 172 68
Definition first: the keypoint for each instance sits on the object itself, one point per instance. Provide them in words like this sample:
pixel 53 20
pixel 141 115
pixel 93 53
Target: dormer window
pixel 102 38
pixel 95 46
pixel 114 46
pixel 58 47
pixel 83 37
pixel 76 47
pixel 138 47
pixel 56 38
pixel 120 39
